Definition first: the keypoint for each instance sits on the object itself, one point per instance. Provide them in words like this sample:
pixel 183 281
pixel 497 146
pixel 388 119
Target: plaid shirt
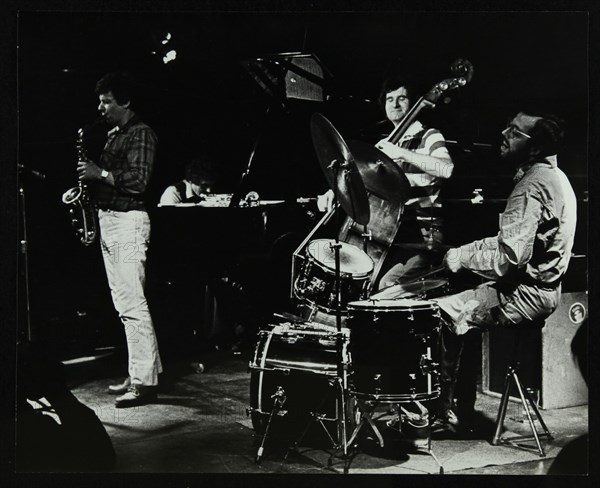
pixel 129 155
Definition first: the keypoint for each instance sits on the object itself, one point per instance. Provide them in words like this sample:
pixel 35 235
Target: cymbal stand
pixel 342 367
pixel 368 406
pixel 367 236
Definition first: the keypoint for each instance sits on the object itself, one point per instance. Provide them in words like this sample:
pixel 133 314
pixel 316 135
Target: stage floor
pixel 199 424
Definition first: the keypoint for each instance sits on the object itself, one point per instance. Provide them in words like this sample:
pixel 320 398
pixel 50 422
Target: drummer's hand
pixel 392 151
pixel 325 201
pixel 452 260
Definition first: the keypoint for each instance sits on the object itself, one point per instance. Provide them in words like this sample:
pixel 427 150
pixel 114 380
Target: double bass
pixel 387 187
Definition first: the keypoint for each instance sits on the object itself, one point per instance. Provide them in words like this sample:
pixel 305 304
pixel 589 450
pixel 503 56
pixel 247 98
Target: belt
pixel 548 286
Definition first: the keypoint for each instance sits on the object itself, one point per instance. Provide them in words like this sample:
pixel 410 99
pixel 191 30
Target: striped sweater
pixel 425 188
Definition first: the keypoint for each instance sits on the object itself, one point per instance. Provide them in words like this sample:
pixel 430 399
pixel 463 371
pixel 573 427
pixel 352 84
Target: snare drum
pixel 316 281
pixel 394 349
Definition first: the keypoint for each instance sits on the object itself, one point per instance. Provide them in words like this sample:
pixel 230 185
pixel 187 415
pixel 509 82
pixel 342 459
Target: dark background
pixel 206 101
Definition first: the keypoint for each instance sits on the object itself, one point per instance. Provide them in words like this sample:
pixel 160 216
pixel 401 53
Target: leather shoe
pixel 136 395
pixel 119 389
pixel 449 426
pixel 446 421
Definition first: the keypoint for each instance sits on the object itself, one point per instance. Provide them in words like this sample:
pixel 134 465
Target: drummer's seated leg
pixel 462 312
pixel 465 390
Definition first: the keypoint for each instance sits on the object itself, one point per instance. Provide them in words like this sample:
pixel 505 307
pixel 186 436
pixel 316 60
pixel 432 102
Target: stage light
pixel 163 48
pixel 169 56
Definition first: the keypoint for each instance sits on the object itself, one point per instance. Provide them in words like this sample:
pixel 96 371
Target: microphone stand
pixel 238 193
pixel 24 250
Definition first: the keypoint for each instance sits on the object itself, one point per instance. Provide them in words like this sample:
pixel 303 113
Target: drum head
pixel 353 261
pixel 408 290
pixel 401 304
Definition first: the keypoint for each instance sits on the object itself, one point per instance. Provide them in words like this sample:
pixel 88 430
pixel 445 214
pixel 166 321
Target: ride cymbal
pixel 339 167
pixel 381 176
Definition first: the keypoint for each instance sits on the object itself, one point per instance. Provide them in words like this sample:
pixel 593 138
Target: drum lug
pixel 377 380
pixel 365 289
pixel 289 339
pixel 411 317
pixel 427 365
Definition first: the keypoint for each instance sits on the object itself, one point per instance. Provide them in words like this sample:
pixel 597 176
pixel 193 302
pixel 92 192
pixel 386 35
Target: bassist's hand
pixel 393 151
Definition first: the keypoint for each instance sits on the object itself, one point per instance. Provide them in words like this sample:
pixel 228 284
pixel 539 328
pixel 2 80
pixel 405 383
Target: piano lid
pixel 292 75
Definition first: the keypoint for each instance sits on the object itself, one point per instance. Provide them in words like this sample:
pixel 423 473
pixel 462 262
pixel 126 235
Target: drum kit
pixel 372 349
pixel 351 351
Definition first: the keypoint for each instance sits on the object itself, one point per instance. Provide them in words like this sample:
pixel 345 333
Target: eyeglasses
pixel 511 131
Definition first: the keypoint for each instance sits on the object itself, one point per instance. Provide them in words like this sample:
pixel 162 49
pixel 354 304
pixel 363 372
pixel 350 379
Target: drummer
pixel 422 154
pixel 525 262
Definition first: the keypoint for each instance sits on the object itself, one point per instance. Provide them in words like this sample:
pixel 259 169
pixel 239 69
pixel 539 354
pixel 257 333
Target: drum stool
pixel 525 396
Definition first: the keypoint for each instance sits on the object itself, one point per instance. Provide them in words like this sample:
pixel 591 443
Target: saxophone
pixel 82 210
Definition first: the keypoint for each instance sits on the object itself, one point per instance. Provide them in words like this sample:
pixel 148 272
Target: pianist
pixel 199 180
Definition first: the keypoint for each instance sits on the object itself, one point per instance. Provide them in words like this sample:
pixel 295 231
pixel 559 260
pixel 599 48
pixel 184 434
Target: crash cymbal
pixel 340 169
pixel 380 174
pixel 423 246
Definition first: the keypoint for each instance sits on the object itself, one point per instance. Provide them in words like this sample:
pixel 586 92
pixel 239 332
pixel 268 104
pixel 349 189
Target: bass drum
pixel 292 370
pixel 394 349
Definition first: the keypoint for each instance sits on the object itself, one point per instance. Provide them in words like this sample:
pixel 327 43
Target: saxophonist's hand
pixel 88 171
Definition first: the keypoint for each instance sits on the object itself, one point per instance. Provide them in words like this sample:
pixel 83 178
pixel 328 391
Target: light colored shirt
pixel 537 230
pixel 172 195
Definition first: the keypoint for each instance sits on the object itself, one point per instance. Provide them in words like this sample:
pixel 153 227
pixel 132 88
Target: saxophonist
pixel 118 183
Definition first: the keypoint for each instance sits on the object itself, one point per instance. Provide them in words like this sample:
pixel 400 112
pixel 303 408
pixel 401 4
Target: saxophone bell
pixel 82 210
pixel 72 195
